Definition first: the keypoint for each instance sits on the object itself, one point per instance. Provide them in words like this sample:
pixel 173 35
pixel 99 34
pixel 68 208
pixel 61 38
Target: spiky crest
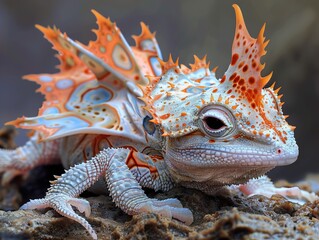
pixel 66 53
pixel 169 64
pixel 244 72
pixel 145 34
pixel 199 63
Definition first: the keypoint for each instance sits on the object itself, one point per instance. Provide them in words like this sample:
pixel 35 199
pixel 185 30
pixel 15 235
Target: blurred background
pixel 184 28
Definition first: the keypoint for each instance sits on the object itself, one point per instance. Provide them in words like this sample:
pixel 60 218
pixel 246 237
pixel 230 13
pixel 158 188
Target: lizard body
pixel 120 114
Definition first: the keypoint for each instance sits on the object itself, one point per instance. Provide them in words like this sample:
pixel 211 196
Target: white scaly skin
pixel 109 123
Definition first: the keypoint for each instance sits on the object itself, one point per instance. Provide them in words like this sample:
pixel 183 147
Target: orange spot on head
pixel 223 79
pixel 165 116
pixel 251 80
pixel 232 76
pixel 253 64
pixel 245 68
pixel 241 82
pixel 234 59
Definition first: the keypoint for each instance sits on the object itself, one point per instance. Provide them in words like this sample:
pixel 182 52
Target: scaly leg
pixel 23 159
pixel 124 189
pixel 264 186
pixel 129 196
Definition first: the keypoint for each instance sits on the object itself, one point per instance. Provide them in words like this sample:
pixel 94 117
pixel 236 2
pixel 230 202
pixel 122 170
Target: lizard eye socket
pixel 217 122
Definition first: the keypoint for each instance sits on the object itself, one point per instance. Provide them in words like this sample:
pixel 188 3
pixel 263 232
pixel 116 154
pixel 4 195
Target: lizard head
pixel 222 131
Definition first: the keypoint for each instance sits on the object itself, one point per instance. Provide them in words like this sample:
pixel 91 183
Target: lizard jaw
pixel 220 167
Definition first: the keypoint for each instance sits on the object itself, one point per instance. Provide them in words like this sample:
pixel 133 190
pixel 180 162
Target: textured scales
pixel 120 115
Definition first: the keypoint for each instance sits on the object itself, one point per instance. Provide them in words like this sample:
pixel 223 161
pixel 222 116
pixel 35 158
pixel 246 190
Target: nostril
pixel 279 151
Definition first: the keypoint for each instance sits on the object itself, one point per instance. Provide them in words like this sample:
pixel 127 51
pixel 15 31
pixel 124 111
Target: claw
pixel 82 205
pixel 183 214
pixel 63 205
pixel 35 204
pixel 169 208
pixel 172 202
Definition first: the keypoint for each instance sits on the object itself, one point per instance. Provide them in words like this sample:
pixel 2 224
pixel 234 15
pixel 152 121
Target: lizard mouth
pixel 209 158
pixel 225 167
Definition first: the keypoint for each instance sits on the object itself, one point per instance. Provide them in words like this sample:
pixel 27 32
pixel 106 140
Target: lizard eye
pixel 216 121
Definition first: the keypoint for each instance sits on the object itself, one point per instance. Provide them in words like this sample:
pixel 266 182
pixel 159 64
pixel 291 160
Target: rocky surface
pixel 215 217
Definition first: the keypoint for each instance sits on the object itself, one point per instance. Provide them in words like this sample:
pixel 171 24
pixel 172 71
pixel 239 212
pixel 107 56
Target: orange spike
pixel 215 69
pixel 265 79
pixel 199 63
pixel 272 85
pixel 145 34
pixel 286 116
pixel 292 127
pixel 280 96
pixel 260 40
pixel 169 64
pixel 101 19
pixel 277 90
pixel 240 23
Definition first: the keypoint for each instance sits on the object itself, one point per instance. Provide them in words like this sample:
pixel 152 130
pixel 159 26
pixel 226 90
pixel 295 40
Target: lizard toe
pixel 172 202
pixel 63 205
pixel 165 209
pixel 82 205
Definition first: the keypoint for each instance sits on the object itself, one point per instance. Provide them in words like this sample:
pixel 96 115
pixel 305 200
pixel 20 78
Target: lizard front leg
pixel 63 193
pixel 125 189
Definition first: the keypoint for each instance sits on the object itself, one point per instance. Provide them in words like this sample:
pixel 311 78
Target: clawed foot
pixel 169 208
pixel 63 205
pixel 263 186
